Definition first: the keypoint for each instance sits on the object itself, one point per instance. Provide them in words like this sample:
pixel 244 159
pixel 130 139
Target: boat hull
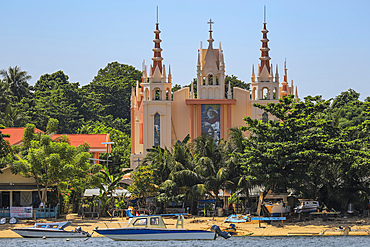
pixel 122 234
pixel 40 233
pixel 276 210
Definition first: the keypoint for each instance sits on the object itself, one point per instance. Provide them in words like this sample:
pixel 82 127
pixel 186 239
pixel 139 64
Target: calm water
pixel 317 241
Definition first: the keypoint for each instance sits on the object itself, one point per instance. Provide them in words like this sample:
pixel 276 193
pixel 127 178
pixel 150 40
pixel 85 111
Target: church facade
pixel 160 117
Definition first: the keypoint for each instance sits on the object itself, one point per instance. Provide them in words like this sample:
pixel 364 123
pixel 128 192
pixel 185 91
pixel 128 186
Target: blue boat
pixel 152 227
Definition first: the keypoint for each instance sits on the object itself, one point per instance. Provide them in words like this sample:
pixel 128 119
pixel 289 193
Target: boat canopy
pixel 58 225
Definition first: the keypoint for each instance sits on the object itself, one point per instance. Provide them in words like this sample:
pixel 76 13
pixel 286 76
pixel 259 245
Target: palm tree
pixel 210 162
pixel 4 96
pixel 12 117
pixel 17 81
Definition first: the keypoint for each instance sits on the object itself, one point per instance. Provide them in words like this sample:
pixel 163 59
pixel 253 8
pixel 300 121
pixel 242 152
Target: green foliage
pixel 52 126
pixel 109 185
pixel 307 153
pixel 121 149
pixel 112 88
pixel 52 163
pixel 4 147
pixel 17 81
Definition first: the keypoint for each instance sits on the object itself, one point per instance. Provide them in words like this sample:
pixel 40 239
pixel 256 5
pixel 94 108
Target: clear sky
pixel 325 42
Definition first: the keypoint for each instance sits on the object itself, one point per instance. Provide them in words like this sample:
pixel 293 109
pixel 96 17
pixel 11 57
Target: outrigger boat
pixel 51 230
pixel 152 227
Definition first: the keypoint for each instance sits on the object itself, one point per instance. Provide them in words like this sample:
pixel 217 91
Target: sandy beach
pixel 358 226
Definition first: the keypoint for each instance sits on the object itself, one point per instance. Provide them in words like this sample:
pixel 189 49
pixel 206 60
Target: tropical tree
pixel 4 96
pixel 210 159
pixel 12 116
pixel 121 149
pixel 107 188
pixel 112 87
pixel 17 81
pixel 50 162
pixel 4 147
pixel 306 153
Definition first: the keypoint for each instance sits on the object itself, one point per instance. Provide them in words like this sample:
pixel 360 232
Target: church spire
pixel 157 58
pixel 265 59
pixel 285 72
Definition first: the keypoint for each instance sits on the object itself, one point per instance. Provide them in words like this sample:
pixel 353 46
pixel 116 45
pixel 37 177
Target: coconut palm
pixel 4 96
pixel 17 81
pixel 210 160
pixel 12 117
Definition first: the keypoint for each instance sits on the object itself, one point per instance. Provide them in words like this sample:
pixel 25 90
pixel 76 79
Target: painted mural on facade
pixel 210 121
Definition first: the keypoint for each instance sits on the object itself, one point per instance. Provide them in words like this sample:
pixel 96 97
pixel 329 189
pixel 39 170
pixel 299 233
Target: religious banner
pixel 210 121
pixel 21 212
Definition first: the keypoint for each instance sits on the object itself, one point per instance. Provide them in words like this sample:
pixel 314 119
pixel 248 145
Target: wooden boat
pixel 51 230
pixel 276 208
pixel 152 227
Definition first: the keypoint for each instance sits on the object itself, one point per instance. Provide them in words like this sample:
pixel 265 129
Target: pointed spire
pixel 157 58
pixel 151 71
pixel 265 59
pixel 296 93
pixel 192 90
pixel 277 74
pixel 164 73
pixel 229 95
pixel 144 72
pixel 285 72
pixel 198 63
pixel 137 88
pixel 253 77
pixel 169 74
pixel 271 74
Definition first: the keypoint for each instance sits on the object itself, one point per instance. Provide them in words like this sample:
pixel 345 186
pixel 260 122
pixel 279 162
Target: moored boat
pixel 152 227
pixel 307 206
pixel 51 230
pixel 276 208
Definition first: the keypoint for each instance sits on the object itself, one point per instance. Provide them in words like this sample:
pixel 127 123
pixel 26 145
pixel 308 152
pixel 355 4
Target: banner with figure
pixel 210 120
pixel 21 212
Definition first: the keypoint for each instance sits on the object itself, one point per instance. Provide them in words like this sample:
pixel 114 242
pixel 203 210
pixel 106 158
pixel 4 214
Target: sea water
pixel 315 241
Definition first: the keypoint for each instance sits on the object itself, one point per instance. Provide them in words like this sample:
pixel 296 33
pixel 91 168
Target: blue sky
pixel 325 42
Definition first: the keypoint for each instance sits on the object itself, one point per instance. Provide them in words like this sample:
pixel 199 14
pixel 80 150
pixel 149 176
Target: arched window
pixel 157 130
pixel 265 93
pixel 157 94
pixel 146 94
pixel 265 117
pixel 210 79
pixel 168 94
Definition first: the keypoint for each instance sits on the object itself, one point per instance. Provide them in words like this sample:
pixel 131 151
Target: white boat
pixel 307 206
pixel 276 208
pixel 152 227
pixel 51 230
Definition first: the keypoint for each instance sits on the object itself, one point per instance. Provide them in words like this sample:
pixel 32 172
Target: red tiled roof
pixel 16 134
pixel 94 140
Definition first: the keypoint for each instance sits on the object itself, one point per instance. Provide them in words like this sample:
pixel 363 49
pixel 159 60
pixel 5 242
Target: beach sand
pixel 359 226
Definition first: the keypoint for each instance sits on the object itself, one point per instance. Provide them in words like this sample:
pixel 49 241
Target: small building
pixel 18 191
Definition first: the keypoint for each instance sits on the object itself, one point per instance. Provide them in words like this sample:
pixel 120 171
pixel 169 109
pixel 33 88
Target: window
pixel 140 222
pixel 157 130
pixel 154 221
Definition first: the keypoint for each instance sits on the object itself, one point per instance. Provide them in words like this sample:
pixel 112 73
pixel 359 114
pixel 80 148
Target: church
pixel 160 117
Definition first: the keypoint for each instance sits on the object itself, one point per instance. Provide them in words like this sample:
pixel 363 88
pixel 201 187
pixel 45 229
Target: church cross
pixel 210 24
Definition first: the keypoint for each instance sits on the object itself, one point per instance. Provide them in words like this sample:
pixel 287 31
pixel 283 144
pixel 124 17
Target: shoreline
pixel 315 227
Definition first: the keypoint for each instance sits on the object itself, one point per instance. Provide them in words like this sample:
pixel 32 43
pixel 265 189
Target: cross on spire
pixel 210 24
